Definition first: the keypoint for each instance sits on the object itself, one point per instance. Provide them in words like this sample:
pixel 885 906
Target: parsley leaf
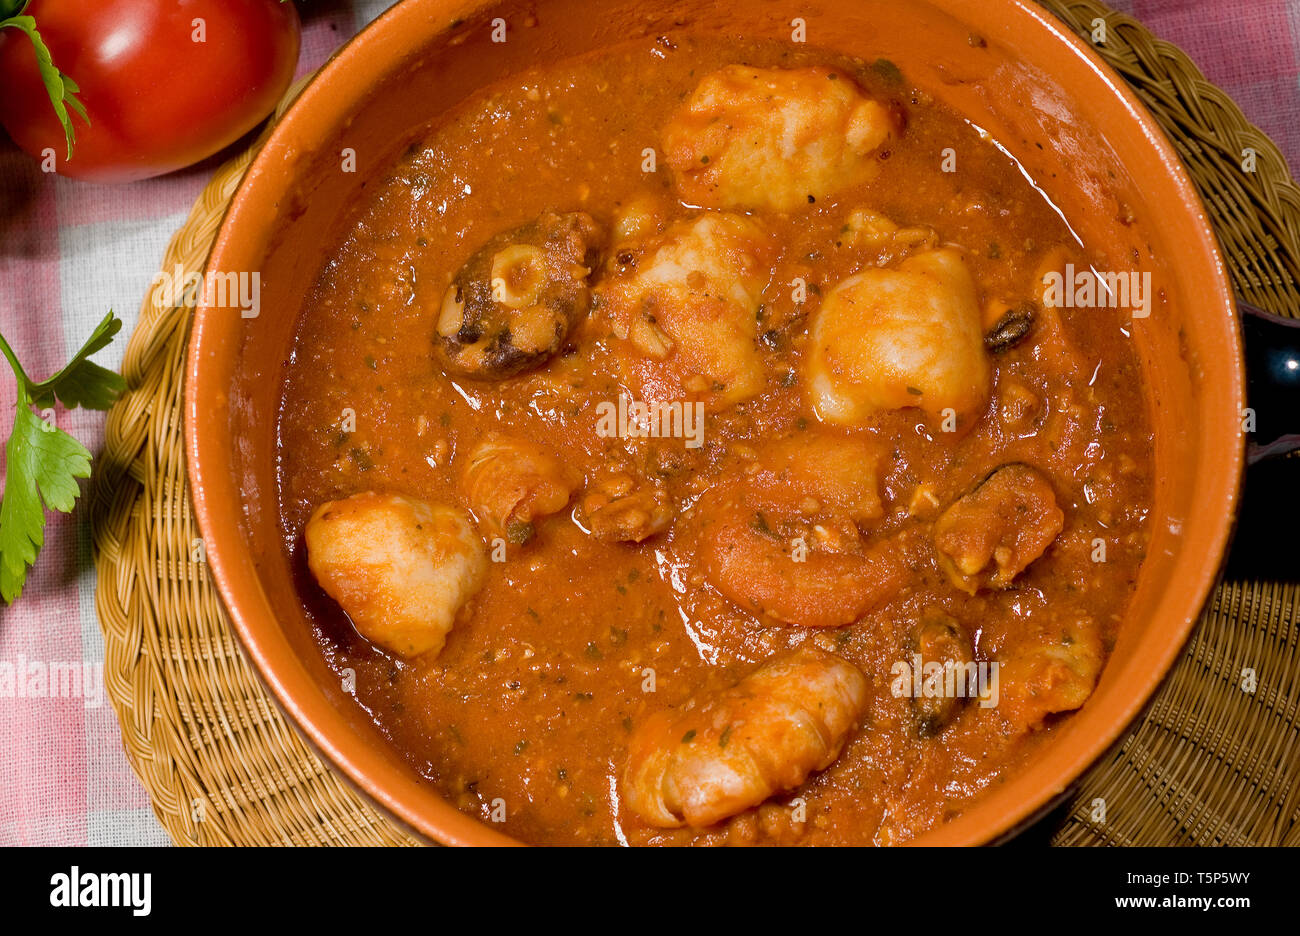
pixel 60 87
pixel 84 383
pixel 43 462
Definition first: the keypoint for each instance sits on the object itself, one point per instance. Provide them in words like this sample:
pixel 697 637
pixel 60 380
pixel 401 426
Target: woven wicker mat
pixel 1209 763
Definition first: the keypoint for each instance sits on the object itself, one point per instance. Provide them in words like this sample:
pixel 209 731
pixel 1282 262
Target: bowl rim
pixel 380 780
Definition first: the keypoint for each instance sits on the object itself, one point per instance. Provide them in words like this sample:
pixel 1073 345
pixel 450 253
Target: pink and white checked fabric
pixel 70 251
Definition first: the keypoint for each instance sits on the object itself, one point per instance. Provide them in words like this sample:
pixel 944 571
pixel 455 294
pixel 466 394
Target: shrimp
pixel 683 311
pixel 515 301
pixel 1007 521
pixel 894 338
pixel 774 138
pixel 510 483
pixel 832 470
pixel 783 542
pixel 723 752
pixel 401 568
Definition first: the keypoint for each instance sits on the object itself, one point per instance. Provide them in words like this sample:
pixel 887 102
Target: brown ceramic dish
pixel 1072 125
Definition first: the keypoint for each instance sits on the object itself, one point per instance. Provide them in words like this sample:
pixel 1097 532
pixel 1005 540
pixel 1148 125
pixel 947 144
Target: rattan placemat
pixel 1208 764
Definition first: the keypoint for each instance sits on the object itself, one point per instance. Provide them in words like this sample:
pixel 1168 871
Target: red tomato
pixel 164 82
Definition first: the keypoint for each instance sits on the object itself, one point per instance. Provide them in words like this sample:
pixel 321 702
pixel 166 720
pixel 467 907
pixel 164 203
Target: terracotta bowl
pixel 1047 99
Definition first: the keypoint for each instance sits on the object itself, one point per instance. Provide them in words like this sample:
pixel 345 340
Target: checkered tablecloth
pixel 70 251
